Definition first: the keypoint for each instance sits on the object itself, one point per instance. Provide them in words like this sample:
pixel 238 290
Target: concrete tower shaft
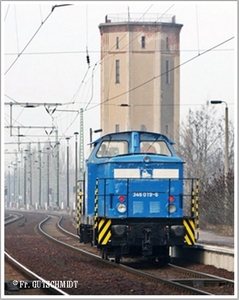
pixel 140 76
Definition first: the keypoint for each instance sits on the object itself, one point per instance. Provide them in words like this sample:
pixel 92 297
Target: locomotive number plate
pixel 145 194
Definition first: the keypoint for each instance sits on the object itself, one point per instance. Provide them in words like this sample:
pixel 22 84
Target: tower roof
pixel 139 18
pixel 155 19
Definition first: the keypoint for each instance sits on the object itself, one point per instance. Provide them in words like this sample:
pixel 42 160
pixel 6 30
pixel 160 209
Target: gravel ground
pixel 40 255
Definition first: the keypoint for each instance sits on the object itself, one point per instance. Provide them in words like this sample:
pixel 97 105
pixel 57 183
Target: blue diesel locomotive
pixel 132 199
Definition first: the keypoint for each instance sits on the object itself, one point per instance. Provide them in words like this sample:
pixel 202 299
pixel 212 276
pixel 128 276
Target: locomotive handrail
pixel 194 194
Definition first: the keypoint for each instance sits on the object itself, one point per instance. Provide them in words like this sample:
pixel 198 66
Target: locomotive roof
pixel 153 134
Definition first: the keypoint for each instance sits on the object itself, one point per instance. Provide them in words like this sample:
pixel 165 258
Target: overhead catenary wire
pixel 164 13
pixel 83 51
pixel 15 13
pixel 40 13
pixel 73 101
pixel 87 53
pixel 6 12
pixel 28 43
pixel 153 78
pixel 92 88
pixel 197 31
pixel 11 98
pixel 144 83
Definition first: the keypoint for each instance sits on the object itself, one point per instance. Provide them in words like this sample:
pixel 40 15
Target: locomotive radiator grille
pixel 104 233
pixel 190 231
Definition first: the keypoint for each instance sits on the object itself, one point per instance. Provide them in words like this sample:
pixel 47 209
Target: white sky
pixel 53 68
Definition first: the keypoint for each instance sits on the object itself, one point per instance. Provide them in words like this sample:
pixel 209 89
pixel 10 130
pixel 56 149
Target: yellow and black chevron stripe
pixel 104 232
pixel 189 237
pixel 196 205
pixel 96 204
pixel 79 207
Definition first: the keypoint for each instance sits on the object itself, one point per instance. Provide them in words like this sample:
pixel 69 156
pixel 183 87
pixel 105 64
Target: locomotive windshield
pixel 158 147
pixel 112 148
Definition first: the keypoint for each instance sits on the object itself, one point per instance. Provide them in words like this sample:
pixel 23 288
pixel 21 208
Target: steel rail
pixel 202 276
pixel 51 289
pixel 175 285
pixel 13 218
pixel 199 278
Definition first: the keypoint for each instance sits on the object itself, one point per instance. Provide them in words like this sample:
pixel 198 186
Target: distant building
pixel 140 75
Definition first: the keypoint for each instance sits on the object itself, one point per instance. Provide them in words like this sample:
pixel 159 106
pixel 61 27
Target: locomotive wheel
pixel 164 257
pixel 104 255
pixel 117 258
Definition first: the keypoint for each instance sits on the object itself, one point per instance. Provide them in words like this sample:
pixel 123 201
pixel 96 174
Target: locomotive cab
pixel 133 202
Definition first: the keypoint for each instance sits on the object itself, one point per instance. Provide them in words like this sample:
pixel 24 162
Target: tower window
pixel 167 44
pixel 167 129
pixel 117 42
pixel 117 71
pixel 143 127
pixel 167 72
pixel 142 41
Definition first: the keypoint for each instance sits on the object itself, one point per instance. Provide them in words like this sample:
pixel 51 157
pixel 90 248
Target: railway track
pixel 11 218
pixel 19 280
pixel 184 276
pixel 95 275
pixel 186 280
pixel 26 282
pixel 61 262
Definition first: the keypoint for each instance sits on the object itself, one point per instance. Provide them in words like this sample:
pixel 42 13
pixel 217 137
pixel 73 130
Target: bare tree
pixel 201 145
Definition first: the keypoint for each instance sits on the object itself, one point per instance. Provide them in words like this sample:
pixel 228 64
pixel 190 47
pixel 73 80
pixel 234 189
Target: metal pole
pixel 48 176
pixel 26 178
pixel 226 141
pixel 57 172
pixel 25 182
pixel 21 177
pixel 18 138
pixel 30 173
pixel 67 175
pixel 76 169
pixel 58 177
pixel 9 187
pixel 15 182
pixel 10 118
pixel 39 166
pixel 91 137
pixel 19 182
pixel 226 162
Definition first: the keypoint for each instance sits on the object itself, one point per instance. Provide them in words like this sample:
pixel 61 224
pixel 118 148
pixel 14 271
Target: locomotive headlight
pixel 121 208
pixel 147 159
pixel 171 208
